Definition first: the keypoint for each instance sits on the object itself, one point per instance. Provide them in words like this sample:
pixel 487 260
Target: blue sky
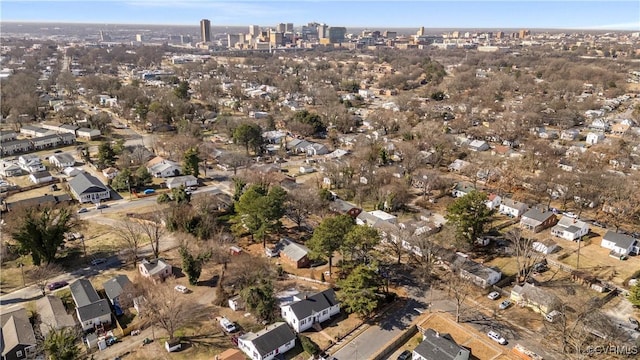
pixel 603 14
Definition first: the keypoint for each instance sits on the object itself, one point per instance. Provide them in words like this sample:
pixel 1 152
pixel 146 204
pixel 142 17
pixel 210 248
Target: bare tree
pixel 154 230
pixel 525 254
pixel 458 289
pixel 130 235
pixel 41 274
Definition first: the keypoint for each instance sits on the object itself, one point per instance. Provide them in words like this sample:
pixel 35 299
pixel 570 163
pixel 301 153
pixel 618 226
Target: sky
pixel 597 15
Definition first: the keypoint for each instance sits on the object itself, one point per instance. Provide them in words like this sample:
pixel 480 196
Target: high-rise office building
pixel 524 33
pixel 336 34
pixel 289 27
pixel 254 30
pixel 281 28
pixel 421 31
pixel 205 30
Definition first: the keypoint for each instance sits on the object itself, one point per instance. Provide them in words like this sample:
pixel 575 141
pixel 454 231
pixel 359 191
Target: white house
pixel 304 312
pixel 435 345
pixel 9 169
pixel 155 270
pixel 40 177
pixel 546 246
pixel 493 201
pixel 594 138
pixel 62 160
pixel 570 228
pixel 477 273
pixel 91 310
pixel 478 145
pixel 162 168
pixel 273 340
pixel 178 181
pixel 110 172
pixel 512 208
pixel 30 163
pixel 87 133
pixel 619 244
pixel 87 188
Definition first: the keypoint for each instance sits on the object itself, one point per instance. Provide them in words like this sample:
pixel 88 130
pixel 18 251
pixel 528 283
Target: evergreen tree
pixel 191 162
pixel 469 215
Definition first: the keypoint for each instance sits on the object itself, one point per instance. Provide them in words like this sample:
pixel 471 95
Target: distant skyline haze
pixel 596 15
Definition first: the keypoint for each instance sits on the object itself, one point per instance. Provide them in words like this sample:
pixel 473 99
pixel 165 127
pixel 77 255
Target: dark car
pixel 406 355
pixel 57 285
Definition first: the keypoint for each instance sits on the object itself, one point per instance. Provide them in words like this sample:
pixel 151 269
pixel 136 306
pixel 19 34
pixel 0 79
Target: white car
pixel 505 304
pixel 493 295
pixel 227 325
pixel 181 289
pixel 497 337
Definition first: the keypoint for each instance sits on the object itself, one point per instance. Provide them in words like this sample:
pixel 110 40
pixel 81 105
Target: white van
pixel 553 316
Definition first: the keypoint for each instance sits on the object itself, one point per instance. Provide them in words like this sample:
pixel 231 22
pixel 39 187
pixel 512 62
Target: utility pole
pixel 578 259
pixel 21 266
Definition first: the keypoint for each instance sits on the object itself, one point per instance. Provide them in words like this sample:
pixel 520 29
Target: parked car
pixel 571 215
pixel 406 355
pixel 57 285
pixel 493 295
pixel 505 304
pixel 148 191
pixel 101 206
pixel 227 325
pixel 497 337
pixel 98 261
pixel 82 210
pixel 181 289
pixel 599 224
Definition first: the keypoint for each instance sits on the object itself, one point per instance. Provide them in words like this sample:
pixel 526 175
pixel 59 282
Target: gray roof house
pixel 52 314
pixel 87 188
pixel 62 160
pixel 535 298
pixel 297 255
pixel 570 229
pixel 619 244
pixel 304 313
pixel 156 269
pixel 439 346
pixel 18 339
pixel 273 340
pixel 477 273
pixel 113 288
pixel 91 310
pixel 512 208
pixel 536 220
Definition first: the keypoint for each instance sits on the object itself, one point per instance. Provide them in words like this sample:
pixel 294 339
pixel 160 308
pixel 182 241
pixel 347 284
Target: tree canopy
pixel 191 162
pixel 329 236
pixel 469 215
pixel 41 232
pixel 359 291
pixel 259 210
pixel 250 136
pixel 60 344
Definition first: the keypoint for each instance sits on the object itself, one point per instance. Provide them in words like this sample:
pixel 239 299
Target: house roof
pixel 314 304
pixel 41 174
pixel 514 204
pixel 63 158
pixel 10 144
pixel 154 266
pixel 179 180
pixel 438 346
pixel 83 292
pixel 474 268
pixel 46 137
pixel 621 240
pixel 53 314
pixel 271 338
pixel 293 250
pixel 94 310
pixel 536 217
pixel 16 330
pixel 114 286
pixel 231 354
pixel 85 184
pixel 571 224
pixel 535 295
pixel 341 206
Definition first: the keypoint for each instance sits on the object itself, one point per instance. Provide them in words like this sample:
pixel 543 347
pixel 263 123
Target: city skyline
pixel 588 15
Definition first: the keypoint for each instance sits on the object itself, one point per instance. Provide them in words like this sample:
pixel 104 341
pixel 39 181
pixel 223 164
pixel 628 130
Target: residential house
pixel 536 220
pixel 15 147
pixel 18 338
pixel 236 303
pixel 298 145
pixel 458 165
pixel 110 173
pixel 570 228
pixel 535 298
pixel 594 138
pixel 30 163
pixel 512 208
pixel 317 149
pixel 67 139
pixel 569 134
pixel 599 125
pixel 155 270
pixel 7 135
pixel 62 160
pixel 230 354
pixel 9 169
pixel 72 171
pixel 52 314
pixel 461 189
pixel 304 312
pixel 292 253
pixel 546 246
pixel 40 177
pixel 619 244
pixel 113 288
pixel 34 131
pixel 88 134
pixel 46 141
pixel 493 201
pixel 92 311
pixel 345 208
pixel 87 188
pixel 178 181
pixel 371 218
pixel 162 168
pixel 477 273
pixel 478 145
pixel 61 128
pixel 439 346
pixel 266 344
